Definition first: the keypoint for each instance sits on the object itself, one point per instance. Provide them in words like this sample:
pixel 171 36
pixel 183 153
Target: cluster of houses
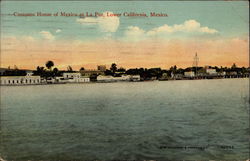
pixel 67 77
pixel 208 72
pixel 84 76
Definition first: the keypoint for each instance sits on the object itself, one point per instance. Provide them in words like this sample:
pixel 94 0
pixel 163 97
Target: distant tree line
pixel 156 73
pixel 145 73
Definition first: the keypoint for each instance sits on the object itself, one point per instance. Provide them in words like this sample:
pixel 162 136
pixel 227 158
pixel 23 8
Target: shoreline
pixel 96 82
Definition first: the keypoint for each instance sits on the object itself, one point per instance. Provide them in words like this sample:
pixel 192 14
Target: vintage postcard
pixel 124 80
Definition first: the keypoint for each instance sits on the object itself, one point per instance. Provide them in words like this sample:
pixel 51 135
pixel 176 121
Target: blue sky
pixel 229 18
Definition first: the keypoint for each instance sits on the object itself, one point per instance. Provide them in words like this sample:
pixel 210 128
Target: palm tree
pixel 49 64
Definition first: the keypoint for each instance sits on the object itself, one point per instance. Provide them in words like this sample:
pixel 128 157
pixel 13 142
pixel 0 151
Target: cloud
pixel 134 33
pixel 58 30
pixel 189 26
pixel 47 35
pixel 186 29
pixel 105 23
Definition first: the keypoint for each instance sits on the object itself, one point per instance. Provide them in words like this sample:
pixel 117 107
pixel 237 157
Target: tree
pixel 113 67
pixel 49 64
pixel 69 68
pixel 55 71
pixel 108 72
pixel 234 66
pixel 173 70
pixel 15 72
pixel 39 71
pixel 121 69
pixel 82 68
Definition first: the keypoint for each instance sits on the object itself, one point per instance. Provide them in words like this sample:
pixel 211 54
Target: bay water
pixel 161 120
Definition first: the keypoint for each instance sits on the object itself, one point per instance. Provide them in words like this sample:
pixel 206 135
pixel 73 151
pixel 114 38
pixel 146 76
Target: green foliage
pixel 113 67
pixel 14 72
pixel 49 64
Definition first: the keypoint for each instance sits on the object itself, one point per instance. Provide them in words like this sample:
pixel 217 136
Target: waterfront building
pixel 102 78
pixel 79 80
pixel 223 73
pixel 60 80
pixel 232 73
pixel 176 76
pixel 72 78
pixel 50 80
pixel 211 71
pixel 71 75
pixel 19 80
pixel 135 78
pixel 189 74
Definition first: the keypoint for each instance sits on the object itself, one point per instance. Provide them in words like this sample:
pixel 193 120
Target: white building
pixel 20 80
pixel 189 74
pixel 60 80
pixel 73 78
pixel 102 78
pixel 211 71
pixel 71 75
pixel 135 78
pixel 79 80
pixel 222 73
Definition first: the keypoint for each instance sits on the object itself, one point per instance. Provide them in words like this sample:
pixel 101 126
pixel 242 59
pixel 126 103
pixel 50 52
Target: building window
pixel 30 80
pixel 17 81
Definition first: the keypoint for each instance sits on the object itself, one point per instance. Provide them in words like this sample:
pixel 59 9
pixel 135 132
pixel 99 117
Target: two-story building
pixel 74 78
